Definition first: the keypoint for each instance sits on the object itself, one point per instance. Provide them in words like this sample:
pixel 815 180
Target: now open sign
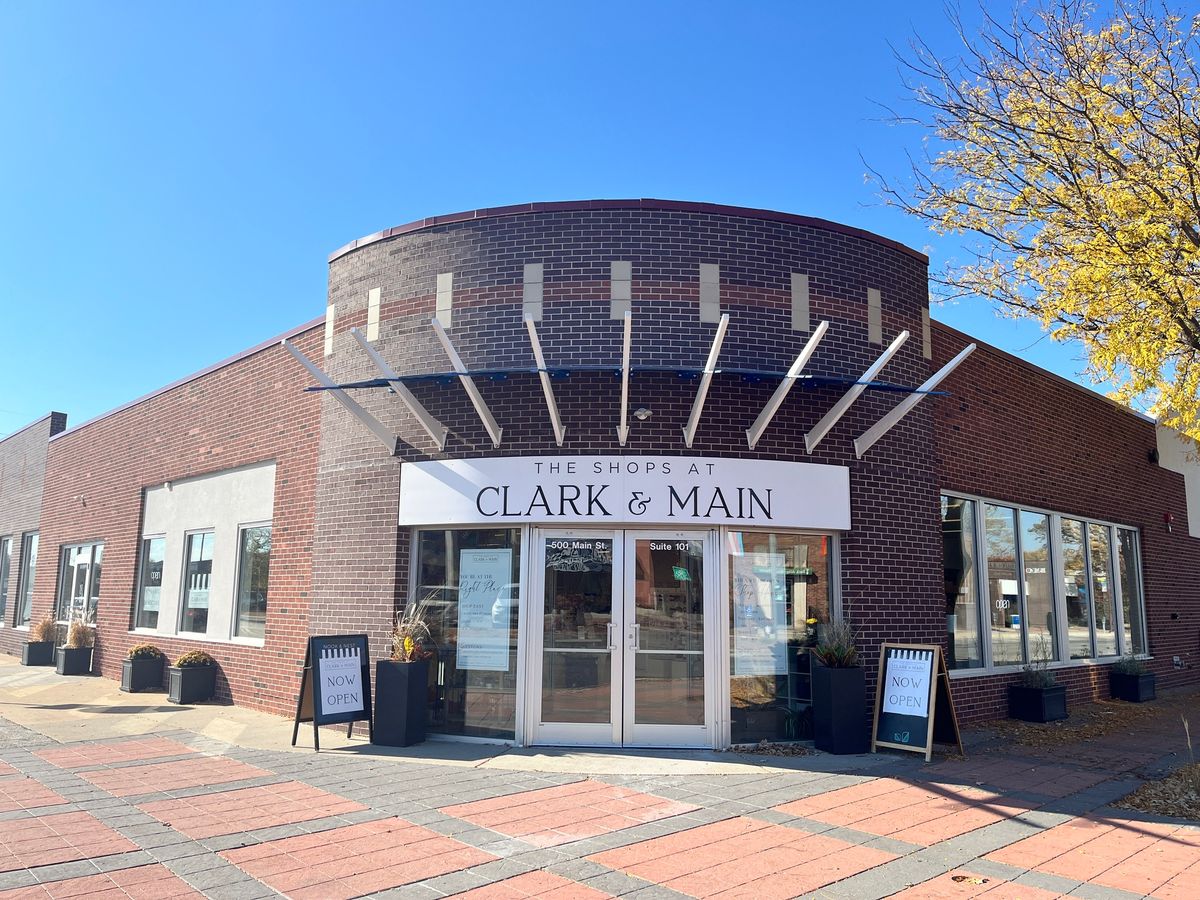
pixel 913 705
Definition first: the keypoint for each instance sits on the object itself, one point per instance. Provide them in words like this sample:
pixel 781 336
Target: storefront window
pixel 959 548
pixel 1038 569
pixel 197 582
pixel 150 586
pixel 79 582
pixel 1131 591
pixel 1004 591
pixel 29 545
pixel 254 568
pixel 469 582
pixel 5 564
pixel 1075 581
pixel 780 596
pixel 1104 612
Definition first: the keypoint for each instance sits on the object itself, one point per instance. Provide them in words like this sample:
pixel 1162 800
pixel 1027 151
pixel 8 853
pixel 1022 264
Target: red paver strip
pixel 25 793
pixel 65 837
pixel 544 885
pixel 743 857
pixel 171 776
pixel 1013 775
pixel 944 887
pixel 569 812
pixel 155 882
pixel 917 814
pixel 357 859
pixel 6 770
pixel 208 815
pixel 78 756
pixel 1142 857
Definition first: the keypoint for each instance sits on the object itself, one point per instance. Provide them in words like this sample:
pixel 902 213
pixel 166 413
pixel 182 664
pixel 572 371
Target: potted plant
pixel 1037 697
pixel 192 679
pixel 1129 679
pixel 839 692
pixel 75 657
pixel 39 649
pixel 142 669
pixel 402 682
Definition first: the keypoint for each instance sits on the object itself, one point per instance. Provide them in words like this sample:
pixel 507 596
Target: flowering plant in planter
pixel 142 668
pixel 193 678
pixel 39 649
pixel 402 682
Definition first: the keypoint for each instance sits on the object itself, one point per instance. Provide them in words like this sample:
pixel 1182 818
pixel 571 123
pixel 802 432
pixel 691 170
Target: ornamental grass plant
pixel 44 632
pixel 80 634
pixel 411 637
pixel 835 647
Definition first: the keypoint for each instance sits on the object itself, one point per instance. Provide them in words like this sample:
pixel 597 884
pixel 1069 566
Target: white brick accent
pixel 874 316
pixel 620 289
pixel 800 311
pixel 445 298
pixel 710 292
pixel 531 297
pixel 330 316
pixel 373 314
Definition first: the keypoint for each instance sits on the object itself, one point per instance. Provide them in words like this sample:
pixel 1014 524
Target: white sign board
pixel 339 679
pixel 484 604
pixel 759 614
pixel 906 683
pixel 664 490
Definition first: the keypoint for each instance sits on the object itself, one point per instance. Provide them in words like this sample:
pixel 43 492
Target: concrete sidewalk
pixel 122 795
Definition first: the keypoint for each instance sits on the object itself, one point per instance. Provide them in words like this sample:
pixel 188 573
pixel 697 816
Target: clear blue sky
pixel 174 175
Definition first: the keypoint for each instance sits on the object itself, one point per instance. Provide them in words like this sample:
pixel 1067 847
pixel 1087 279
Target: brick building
pixel 636 539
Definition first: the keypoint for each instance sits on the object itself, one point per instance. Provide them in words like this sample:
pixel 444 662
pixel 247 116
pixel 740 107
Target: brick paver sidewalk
pixel 178 815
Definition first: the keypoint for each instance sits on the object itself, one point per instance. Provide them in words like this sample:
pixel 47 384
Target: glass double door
pixel 625 619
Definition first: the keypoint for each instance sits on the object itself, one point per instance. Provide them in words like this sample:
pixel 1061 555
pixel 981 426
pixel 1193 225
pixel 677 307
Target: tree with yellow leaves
pixel 1067 146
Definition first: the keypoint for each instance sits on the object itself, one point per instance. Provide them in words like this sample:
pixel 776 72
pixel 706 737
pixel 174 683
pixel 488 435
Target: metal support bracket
pixel 485 415
pixel 755 432
pixel 831 418
pixel 559 430
pixel 867 439
pixel 377 428
pixel 627 347
pixel 432 426
pixel 689 430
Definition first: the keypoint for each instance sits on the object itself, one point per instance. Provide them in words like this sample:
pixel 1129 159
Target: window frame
pixel 1057 567
pixel 139 586
pixel 235 616
pixel 69 606
pixel 24 585
pixel 183 588
pixel 6 541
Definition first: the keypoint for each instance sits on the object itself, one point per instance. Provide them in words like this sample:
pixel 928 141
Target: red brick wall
pixel 22 473
pixel 1012 432
pixel 252 410
pixel 890 578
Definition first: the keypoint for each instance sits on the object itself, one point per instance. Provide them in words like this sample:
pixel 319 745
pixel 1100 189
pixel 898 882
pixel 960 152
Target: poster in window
pixel 759 614
pixel 150 599
pixel 484 606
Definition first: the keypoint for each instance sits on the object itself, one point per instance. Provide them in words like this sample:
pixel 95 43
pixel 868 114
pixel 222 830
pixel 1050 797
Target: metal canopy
pixel 867 439
pixel 559 430
pixel 755 431
pixel 377 428
pixel 831 418
pixel 432 426
pixel 485 415
pixel 710 368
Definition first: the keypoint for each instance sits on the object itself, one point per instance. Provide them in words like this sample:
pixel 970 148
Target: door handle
pixel 611 643
pixel 635 637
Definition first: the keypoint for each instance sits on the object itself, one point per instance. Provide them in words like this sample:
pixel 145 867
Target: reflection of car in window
pixel 503 604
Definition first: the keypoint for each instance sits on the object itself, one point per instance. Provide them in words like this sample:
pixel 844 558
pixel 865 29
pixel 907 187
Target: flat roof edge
pixel 33 424
pixel 950 329
pixel 208 370
pixel 643 204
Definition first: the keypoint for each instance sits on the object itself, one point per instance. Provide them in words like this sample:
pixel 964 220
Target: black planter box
pixel 1134 688
pixel 193 684
pixel 1033 704
pixel 839 709
pixel 401 700
pixel 73 661
pixel 142 674
pixel 38 653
